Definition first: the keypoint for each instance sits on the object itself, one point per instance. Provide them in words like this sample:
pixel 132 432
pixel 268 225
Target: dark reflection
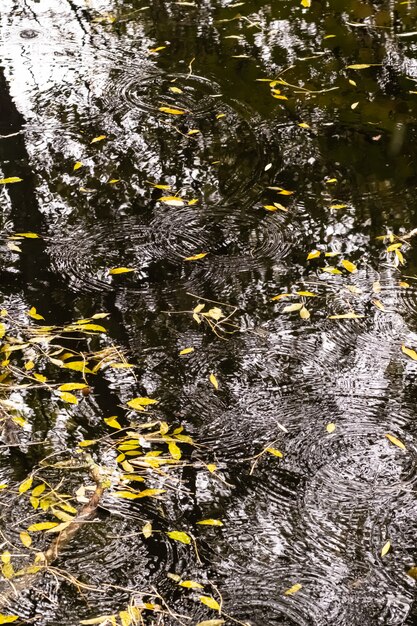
pixel 334 148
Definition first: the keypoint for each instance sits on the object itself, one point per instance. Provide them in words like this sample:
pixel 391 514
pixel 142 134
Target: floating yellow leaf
pixel 147 530
pixel 103 619
pixel 409 352
pixel 72 386
pixel 186 351
pixel 404 285
pixel 175 89
pixel 214 381
pixel 112 422
pixel 314 254
pixel 196 257
pixel 27 235
pixel 126 495
pixel 306 294
pixel 354 105
pixel 7 619
pixel 378 305
pixel 2 330
pixel 395 441
pixel 350 267
pixel 77 366
pixel 172 111
pixel 86 443
pixel 270 207
pixel 139 403
pixel 303 125
pixel 306 3
pixel 26 485
pixel 78 165
pixel 211 467
pixel 394 246
pixel 193 131
pixel 34 315
pixel 12 179
pixel 172 200
pixel 331 428
pixel 293 589
pixel 211 622
pixel 338 206
pixel 210 522
pixel 362 66
pixel 304 313
pixel 68 397
pixel 274 452
pixel 180 536
pixel 412 572
pixel 38 490
pixel 330 270
pixel 174 450
pixel 353 289
pixel 292 307
pixel 26 539
pixel 190 584
pixel 99 138
pixel 121 270
pixel 210 602
pixel 42 526
pixel 386 548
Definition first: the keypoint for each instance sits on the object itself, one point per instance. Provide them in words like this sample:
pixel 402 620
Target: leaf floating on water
pixel 147 530
pixel 293 589
pixel 275 452
pixel 139 403
pixel 8 619
pixel 378 305
pixel 34 315
pixel 338 206
pixel 103 620
pixel 77 165
pixel 395 441
pixel 112 422
pixel 2 330
pixel 346 316
pixel 26 539
pixel 292 307
pixel 121 270
pixel 171 111
pixel 350 267
pixel 27 235
pixel 303 125
pixel 196 257
pixel 99 138
pixel 180 536
pixel 386 548
pixel 26 485
pixel 211 622
pixel 412 572
pixel 42 526
pixel 353 289
pixel 211 467
pixel 72 386
pixel 281 295
pixel 210 602
pixel 213 381
pixel 304 313
pixel 267 167
pixel 175 89
pixel 409 352
pixel 314 254
pixel 330 270
pixel 174 450
pixel 306 294
pixel 12 179
pixel 362 66
pixel 331 428
pixel 306 3
pixel 186 351
pixel 210 522
pixel 172 200
pixel 354 105
pixel 68 397
pixel 190 584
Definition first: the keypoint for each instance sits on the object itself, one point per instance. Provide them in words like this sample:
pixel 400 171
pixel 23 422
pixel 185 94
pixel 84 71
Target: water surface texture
pixel 288 135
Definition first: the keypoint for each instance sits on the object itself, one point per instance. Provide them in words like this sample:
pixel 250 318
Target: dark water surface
pixel 324 392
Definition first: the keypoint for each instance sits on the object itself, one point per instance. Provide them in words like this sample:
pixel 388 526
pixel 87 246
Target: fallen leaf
pixel 26 539
pixel 314 254
pixel 293 589
pixel 26 485
pixel 99 138
pixel 409 352
pixel 210 602
pixel 213 381
pixel 180 536
pixel 8 619
pixel 350 267
pixel 147 530
pixel 362 66
pixel 112 422
pixel 172 200
pixel 346 316
pixel 386 548
pixel 210 522
pixel 292 307
pixel 211 622
pixel 34 315
pixel 186 351
pixel 274 452
pixel 42 526
pixel 121 270
pixel 172 111
pixel 331 428
pixel 139 403
pixel 190 584
pixel 12 179
pixel 304 313
pixel 395 441
pixel 338 206
pixel 78 165
pixel 68 397
pixel 72 386
pixel 196 257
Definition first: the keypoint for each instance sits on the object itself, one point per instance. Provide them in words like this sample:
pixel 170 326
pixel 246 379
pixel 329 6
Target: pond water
pixel 282 138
